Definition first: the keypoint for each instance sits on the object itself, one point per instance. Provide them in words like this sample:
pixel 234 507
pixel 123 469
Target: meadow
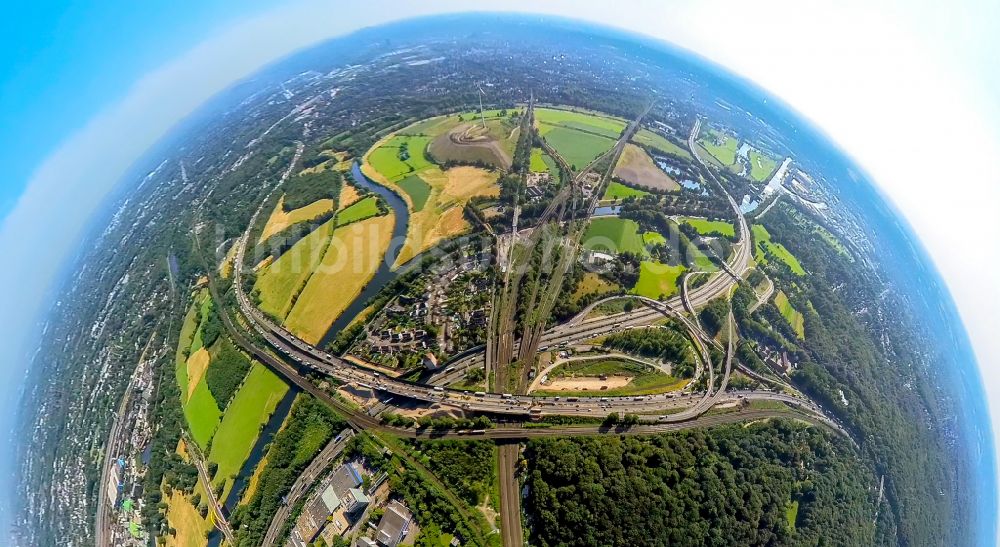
pixel 279 282
pixel 617 190
pixel 615 235
pixel 578 148
pixel 761 165
pixel 765 246
pixel 724 151
pixel 192 359
pixel 656 279
pixel 792 315
pixel 645 137
pixel 707 227
pixel 417 189
pixel 385 158
pixel 190 527
pixel 249 410
pixel 359 210
pixel 537 163
pixel 591 122
pixel 280 219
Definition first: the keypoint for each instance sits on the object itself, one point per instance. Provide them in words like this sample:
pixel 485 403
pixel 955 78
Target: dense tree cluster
pixel 431 508
pixel 668 343
pixel 228 369
pixel 876 362
pixel 465 466
pixel 770 484
pixel 303 189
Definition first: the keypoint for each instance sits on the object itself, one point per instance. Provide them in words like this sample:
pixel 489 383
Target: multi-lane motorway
pixel 316 359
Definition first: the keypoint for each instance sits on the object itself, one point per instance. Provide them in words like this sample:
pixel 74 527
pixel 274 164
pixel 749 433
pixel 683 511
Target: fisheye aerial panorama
pixel 500 280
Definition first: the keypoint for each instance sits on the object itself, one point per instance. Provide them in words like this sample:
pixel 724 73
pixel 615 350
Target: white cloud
pixel 901 87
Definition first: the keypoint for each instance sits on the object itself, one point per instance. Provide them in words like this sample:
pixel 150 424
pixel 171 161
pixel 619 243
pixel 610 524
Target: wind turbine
pixel 481 114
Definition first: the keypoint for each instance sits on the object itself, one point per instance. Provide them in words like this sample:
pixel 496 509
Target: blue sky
pixel 900 85
pixel 63 61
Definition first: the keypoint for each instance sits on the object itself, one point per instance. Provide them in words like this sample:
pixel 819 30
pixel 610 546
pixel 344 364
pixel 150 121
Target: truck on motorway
pixel 480 394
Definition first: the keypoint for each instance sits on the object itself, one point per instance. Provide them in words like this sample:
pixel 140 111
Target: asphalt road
pixel 305 481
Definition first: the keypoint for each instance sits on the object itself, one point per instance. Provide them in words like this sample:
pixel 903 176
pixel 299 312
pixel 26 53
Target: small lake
pixel 607 210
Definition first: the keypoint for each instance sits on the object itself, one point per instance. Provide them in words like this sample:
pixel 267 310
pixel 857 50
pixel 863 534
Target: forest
pixel 775 483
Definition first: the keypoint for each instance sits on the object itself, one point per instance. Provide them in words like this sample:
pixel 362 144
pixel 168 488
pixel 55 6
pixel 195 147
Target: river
pixel 384 274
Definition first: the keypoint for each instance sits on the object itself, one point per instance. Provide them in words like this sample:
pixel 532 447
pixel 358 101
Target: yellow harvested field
pixel 196 366
pixel 280 281
pixel 279 219
pixel 351 258
pixel 637 168
pixel 463 183
pixel 226 267
pixel 587 383
pixel 348 195
pixel 191 529
pixel 441 216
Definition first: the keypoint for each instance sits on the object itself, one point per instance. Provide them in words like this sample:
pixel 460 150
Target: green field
pixel 765 246
pixel 724 151
pixel 615 235
pixel 437 125
pixel 578 148
pixel 646 380
pixel 386 158
pixel 184 342
pixel 792 315
pixel 653 238
pixel 792 513
pixel 279 281
pixel 249 410
pixel 583 121
pixel 202 414
pixel 710 227
pixel 359 210
pixel 538 164
pixel 656 279
pixel 761 165
pixel 418 190
pixel 648 138
pixel 200 410
pixel 617 190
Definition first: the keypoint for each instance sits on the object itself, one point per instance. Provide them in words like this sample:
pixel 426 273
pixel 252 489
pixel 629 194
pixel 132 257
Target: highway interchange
pixel 659 413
